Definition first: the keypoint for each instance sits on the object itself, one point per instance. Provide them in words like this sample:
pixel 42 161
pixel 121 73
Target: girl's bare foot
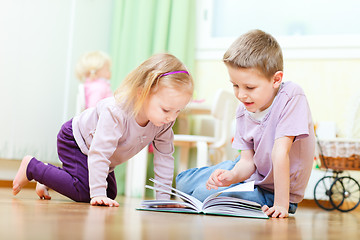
pixel 20 179
pixel 42 191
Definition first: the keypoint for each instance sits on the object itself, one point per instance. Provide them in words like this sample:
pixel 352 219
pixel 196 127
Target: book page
pixel 185 197
pixel 243 187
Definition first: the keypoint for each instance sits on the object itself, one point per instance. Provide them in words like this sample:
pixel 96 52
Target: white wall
pixel 330 85
pixel 40 43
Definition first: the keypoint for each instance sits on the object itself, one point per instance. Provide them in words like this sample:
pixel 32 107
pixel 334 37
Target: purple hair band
pixel 169 73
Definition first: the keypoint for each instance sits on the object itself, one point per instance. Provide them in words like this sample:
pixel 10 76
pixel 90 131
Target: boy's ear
pixel 277 79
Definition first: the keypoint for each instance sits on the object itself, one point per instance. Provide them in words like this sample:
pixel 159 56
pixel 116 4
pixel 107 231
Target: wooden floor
pixel 26 217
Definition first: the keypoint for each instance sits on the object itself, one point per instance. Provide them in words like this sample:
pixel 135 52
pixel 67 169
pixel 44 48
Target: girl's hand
pixel 275 211
pixel 103 201
pixel 220 178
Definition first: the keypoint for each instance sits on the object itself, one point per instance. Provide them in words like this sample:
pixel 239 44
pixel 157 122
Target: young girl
pixel 93 69
pixel 90 145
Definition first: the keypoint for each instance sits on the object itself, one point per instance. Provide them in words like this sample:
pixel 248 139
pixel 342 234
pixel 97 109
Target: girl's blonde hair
pixel 90 63
pixel 256 49
pixel 147 79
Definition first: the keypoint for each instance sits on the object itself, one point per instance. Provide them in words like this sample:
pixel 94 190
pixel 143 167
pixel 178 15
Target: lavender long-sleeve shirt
pixel 109 137
pixel 289 116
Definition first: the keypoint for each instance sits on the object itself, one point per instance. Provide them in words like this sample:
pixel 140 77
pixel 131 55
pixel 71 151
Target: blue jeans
pixel 193 182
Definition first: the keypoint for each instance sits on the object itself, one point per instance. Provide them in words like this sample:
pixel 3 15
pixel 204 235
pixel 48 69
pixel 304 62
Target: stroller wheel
pixel 322 192
pixel 345 194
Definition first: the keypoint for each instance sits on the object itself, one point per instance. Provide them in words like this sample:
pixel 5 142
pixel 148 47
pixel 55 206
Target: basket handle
pixel 321 155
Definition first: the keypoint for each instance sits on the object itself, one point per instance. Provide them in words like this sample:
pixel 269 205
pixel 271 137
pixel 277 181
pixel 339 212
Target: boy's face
pixel 253 89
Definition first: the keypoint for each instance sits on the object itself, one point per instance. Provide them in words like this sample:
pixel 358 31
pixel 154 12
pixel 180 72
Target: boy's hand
pixel 220 178
pixel 275 211
pixel 103 201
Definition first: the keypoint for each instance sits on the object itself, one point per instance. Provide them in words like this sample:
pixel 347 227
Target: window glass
pixel 286 18
pixel 304 29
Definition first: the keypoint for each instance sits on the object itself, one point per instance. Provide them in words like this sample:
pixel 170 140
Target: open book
pixel 214 204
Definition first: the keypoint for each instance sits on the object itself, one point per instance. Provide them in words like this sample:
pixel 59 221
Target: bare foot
pixel 20 179
pixel 42 191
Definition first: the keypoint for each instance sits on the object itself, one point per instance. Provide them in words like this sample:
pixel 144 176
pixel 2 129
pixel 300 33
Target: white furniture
pixel 136 174
pixel 353 116
pixel 80 99
pixel 223 111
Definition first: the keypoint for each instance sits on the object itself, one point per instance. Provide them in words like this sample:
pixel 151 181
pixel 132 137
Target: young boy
pixel 274 132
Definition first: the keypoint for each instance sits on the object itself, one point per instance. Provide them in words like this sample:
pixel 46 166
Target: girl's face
pixel 163 106
pixel 253 89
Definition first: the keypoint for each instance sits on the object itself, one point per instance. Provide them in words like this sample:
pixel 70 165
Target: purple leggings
pixel 72 180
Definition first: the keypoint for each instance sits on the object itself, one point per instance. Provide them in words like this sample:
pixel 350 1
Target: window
pixel 304 29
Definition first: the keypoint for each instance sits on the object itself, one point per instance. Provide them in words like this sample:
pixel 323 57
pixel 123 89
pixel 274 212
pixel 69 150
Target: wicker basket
pixel 340 154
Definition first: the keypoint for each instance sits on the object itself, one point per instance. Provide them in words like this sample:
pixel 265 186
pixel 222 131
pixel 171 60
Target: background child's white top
pixel 96 90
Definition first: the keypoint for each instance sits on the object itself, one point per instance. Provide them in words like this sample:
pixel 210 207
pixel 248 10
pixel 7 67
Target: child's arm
pixel 281 167
pixel 163 159
pixel 242 171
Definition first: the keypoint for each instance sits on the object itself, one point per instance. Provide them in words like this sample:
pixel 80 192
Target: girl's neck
pixel 91 79
pixel 141 120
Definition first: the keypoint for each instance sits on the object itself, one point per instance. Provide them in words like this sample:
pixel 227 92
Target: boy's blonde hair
pixel 255 49
pixel 90 63
pixel 147 79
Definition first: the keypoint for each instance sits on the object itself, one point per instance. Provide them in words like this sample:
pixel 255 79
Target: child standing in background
pixel 274 132
pixel 142 111
pixel 94 70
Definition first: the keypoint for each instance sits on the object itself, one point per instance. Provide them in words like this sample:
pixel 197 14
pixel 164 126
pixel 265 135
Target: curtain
pixel 142 28
pixel 145 27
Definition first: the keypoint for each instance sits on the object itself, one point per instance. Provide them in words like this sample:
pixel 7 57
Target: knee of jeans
pixel 183 177
pixel 178 178
pixel 183 184
pixel 180 183
pixel 201 192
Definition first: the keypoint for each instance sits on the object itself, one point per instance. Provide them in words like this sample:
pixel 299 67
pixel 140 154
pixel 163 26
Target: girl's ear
pixel 277 79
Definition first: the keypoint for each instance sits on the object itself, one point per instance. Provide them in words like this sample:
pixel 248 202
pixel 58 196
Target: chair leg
pixel 183 162
pixel 218 156
pixel 136 174
pixel 202 154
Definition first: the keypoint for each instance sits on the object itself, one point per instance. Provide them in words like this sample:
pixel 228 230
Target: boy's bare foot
pixel 20 179
pixel 42 191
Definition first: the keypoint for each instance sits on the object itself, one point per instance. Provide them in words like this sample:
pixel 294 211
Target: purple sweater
pixel 109 137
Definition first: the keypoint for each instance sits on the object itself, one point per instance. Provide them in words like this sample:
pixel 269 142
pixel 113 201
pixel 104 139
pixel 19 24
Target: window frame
pixel 294 47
